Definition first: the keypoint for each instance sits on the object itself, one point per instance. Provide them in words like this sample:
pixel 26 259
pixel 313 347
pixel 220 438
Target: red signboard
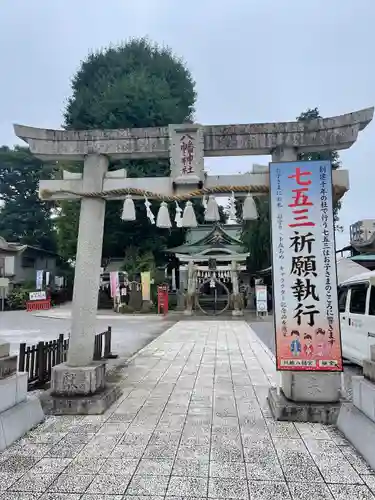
pixel 38 305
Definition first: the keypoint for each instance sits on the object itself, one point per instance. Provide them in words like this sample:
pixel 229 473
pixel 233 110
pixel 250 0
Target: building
pixel 359 255
pixel 362 231
pixel 19 263
pixel 211 266
pixel 362 242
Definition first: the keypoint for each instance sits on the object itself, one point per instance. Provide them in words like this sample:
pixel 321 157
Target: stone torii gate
pixel 185 145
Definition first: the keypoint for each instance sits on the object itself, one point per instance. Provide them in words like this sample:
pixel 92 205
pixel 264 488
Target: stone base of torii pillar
pixel 307 397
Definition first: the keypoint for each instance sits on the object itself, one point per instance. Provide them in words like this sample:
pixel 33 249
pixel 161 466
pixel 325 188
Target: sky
pixel 253 61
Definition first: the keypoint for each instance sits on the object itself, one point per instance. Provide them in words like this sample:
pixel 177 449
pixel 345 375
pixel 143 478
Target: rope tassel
pixel 212 210
pixel 128 209
pixel 149 213
pixel 178 218
pixel 204 202
pixel 232 207
pixel 249 209
pixel 163 220
pixel 189 219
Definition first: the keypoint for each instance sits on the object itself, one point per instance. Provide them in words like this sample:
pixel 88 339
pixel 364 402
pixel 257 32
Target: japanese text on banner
pixel 304 275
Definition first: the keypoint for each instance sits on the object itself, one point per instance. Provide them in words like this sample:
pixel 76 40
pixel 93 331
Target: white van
pixel 357 316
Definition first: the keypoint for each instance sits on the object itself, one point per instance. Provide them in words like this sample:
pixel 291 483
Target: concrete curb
pixel 263 345
pixel 359 430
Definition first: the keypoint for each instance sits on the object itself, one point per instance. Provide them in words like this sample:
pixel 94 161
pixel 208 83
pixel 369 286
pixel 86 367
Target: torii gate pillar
pixel 88 261
pixel 185 145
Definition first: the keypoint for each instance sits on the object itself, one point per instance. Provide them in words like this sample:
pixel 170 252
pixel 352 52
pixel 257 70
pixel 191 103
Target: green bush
pixel 17 298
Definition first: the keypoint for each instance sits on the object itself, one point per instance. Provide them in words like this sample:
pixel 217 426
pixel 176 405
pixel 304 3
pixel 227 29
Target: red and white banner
pixel 114 283
pixel 307 325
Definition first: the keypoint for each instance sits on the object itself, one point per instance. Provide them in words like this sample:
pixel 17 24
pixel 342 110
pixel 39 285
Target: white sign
pixel 261 306
pixel 59 281
pixel 306 315
pixel 4 282
pixel 39 280
pixel 37 295
pixel 261 297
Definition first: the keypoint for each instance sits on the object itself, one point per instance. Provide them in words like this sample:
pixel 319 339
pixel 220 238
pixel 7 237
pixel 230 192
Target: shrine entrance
pixel 211 267
pixel 213 297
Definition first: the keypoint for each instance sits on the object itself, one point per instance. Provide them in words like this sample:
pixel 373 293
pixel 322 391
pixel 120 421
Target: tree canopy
pixel 256 235
pixel 136 84
pixel 24 217
pixel 333 156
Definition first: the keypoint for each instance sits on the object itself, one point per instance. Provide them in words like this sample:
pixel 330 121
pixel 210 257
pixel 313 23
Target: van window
pixel 358 298
pixel 371 309
pixel 343 293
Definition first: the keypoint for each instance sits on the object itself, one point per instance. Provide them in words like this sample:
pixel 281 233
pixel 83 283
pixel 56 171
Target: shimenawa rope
pixel 46 193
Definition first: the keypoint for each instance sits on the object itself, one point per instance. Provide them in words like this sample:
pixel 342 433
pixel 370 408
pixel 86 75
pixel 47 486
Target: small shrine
pixel 211 269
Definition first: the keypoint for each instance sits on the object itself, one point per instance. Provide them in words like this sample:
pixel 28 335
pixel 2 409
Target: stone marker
pixel 135 299
pixel 4 349
pixel 8 364
pixel 18 412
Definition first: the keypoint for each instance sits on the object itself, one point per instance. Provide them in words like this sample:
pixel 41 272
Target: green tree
pixel 333 156
pixel 136 262
pixel 24 217
pixel 256 235
pixel 136 84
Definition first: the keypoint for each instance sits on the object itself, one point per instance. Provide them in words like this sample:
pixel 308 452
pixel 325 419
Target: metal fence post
pixel 60 349
pixel 21 358
pixel 107 342
pixel 41 360
pixel 97 350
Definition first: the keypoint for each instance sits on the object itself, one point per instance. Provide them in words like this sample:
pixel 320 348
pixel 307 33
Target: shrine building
pixel 217 256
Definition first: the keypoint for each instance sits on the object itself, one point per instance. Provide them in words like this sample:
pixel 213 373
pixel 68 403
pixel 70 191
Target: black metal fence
pixel 38 360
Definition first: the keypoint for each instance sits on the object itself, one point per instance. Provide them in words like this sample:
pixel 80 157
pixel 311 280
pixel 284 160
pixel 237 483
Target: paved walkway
pixel 129 334
pixel 193 422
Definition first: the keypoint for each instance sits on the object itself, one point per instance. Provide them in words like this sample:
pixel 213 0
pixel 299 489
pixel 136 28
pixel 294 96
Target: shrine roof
pixel 211 237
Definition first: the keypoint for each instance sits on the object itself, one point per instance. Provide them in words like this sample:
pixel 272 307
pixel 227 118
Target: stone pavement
pixel 193 422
